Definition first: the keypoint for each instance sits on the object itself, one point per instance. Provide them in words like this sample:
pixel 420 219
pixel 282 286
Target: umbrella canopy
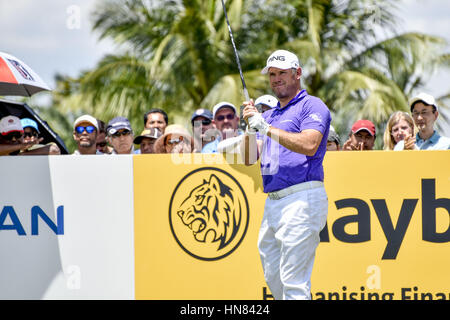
pixel 22 110
pixel 17 79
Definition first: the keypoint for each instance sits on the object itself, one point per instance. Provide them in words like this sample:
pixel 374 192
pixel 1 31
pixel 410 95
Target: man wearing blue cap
pixel 203 129
pixel 120 135
pixel 31 135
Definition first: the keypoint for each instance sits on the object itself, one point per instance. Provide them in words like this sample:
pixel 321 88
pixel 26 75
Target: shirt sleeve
pixel 315 115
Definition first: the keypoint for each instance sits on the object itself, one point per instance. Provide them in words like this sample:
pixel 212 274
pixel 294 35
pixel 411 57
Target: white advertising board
pixel 66 227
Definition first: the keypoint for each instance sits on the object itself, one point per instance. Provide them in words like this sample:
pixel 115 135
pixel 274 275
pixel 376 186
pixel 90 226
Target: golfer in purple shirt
pixel 292 141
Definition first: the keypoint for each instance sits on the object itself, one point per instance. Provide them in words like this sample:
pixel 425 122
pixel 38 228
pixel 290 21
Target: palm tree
pixel 178 56
pixel 179 52
pixel 350 68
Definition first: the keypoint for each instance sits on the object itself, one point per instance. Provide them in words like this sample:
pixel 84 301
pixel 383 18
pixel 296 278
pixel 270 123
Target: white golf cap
pixel 267 100
pixel 221 105
pixel 424 97
pixel 10 124
pixel 281 59
pixel 86 118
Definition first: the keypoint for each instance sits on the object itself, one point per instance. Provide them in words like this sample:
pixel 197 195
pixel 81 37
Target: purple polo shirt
pixel 280 167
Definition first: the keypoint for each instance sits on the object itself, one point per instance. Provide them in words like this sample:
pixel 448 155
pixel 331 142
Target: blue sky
pixel 55 36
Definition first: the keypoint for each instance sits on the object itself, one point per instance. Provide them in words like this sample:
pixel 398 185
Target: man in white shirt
pixel 425 113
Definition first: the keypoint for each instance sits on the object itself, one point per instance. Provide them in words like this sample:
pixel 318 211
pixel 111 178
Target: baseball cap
pixel 152 133
pixel 27 122
pixel 202 113
pixel 117 124
pixel 364 125
pixel 267 100
pixel 10 124
pixel 281 59
pixel 221 105
pixel 86 118
pixel 424 97
pixel 333 136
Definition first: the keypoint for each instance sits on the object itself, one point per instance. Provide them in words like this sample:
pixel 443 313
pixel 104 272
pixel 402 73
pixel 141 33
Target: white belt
pixel 276 195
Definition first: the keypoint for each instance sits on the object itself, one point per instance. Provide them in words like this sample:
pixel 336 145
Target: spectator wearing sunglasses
pixel 203 129
pixel 120 135
pixel 102 143
pixel 85 129
pixel 226 121
pixel 31 135
pixel 176 139
pixel 11 136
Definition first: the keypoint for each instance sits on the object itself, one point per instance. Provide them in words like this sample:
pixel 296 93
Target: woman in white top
pixel 399 133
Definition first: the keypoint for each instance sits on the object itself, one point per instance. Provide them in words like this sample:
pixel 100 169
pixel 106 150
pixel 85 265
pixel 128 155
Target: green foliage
pixel 177 55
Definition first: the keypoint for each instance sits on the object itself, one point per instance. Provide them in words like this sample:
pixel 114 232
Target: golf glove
pixel 257 122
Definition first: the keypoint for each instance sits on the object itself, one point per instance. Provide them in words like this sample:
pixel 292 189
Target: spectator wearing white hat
pixel 85 130
pixel 266 102
pixel 176 139
pixel 425 113
pixel 226 121
pixel 11 136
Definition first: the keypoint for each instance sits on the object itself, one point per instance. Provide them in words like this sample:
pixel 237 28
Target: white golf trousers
pixel 287 242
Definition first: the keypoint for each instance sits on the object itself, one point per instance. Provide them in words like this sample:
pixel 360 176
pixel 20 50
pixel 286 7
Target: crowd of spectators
pixel 217 130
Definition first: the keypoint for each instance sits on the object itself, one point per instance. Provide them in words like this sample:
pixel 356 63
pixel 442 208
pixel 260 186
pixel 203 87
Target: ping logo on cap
pixel 279 58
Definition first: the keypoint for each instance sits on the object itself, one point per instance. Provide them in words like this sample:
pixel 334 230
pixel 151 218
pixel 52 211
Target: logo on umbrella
pixel 21 69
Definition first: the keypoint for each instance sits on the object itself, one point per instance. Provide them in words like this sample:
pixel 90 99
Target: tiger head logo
pixel 212 212
pixel 209 213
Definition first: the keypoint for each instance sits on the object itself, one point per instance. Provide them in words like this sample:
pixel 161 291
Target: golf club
pixel 247 98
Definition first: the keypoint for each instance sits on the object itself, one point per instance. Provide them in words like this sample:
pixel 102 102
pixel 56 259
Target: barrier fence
pixel 185 227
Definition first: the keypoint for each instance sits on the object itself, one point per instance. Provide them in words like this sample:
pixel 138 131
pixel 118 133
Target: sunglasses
pixel 228 116
pixel 174 140
pixel 204 122
pixel 13 135
pixel 80 129
pixel 121 133
pixel 101 144
pixel 30 134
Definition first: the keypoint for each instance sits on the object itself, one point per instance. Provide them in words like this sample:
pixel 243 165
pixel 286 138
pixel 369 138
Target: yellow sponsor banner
pixel 208 254
pixel 387 227
pixel 197 219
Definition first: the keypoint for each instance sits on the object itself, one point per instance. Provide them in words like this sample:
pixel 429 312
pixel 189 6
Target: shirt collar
pixel 294 100
pixel 433 139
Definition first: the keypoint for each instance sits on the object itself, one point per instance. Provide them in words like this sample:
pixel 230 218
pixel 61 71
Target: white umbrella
pixel 17 79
